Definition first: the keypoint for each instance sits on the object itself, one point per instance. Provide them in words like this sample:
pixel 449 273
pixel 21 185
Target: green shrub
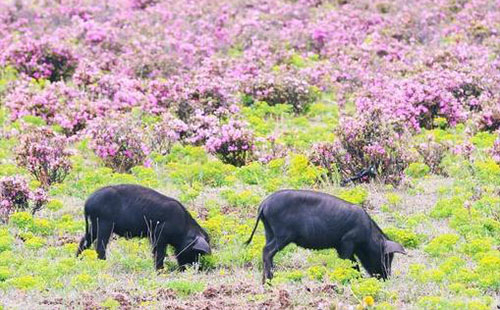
pixel 4 273
pixel 366 287
pixel 417 170
pixel 356 195
pixel 5 240
pixel 34 243
pixel 22 220
pixel 83 280
pixel 483 139
pixel 445 207
pixel 477 245
pixel 253 173
pixel 54 205
pixel 393 199
pixel 242 199
pixel 406 237
pixel 441 303
pixel 488 172
pixel 110 303
pixel 24 282
pixel 442 244
pixel 301 173
pixel 488 270
pixel 186 288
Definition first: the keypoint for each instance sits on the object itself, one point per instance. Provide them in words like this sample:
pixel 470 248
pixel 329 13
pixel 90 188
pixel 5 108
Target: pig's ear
pixel 202 245
pixel 393 247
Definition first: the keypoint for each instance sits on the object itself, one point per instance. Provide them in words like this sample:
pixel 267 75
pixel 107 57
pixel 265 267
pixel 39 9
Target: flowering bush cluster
pixel 57 104
pixel 43 153
pixel 16 195
pixel 120 143
pixel 432 153
pixel 40 59
pixel 363 142
pixel 166 132
pixel 282 89
pixel 232 142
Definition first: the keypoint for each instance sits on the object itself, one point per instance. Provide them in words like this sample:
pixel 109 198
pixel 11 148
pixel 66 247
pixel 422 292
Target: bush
pixel 40 59
pixel 495 151
pixel 417 170
pixel 432 154
pixel 232 143
pixel 442 244
pixel 16 195
pixel 142 4
pixel 167 132
pixel 119 143
pixel 57 104
pixel 406 237
pixel 282 89
pixel 186 288
pixel 44 155
pixel 366 287
pixel 365 141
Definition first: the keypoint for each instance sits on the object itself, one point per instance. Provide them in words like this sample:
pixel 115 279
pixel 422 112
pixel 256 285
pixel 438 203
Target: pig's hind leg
pixel 104 231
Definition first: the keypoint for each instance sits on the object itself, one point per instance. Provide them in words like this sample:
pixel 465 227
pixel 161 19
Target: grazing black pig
pixel 136 211
pixel 316 220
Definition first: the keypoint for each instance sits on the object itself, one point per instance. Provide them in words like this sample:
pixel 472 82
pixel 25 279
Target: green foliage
pixel 54 205
pixel 356 195
pixel 4 273
pixel 488 270
pixel 241 199
pixel 445 207
pixel 6 240
pixel 483 139
pixel 417 170
pixel 442 244
pixel 477 245
pixel 488 172
pixel 366 287
pixel 190 191
pixel 34 120
pixel 7 74
pixel 253 173
pixel 22 220
pixel 301 173
pixel 212 173
pixel 110 303
pixel 406 237
pixel 393 199
pixel 186 288
pixel 24 282
pixel 441 303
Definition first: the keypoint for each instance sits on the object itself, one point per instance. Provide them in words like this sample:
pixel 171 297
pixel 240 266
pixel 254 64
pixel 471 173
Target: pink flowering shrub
pixel 166 132
pixel 40 59
pixel 16 195
pixel 495 150
pixel 282 89
pixel 432 154
pixel 142 4
pixel 43 153
pixel 489 118
pixel 120 143
pixel 233 143
pixel 201 128
pixel 57 104
pixel 364 141
pixel 322 155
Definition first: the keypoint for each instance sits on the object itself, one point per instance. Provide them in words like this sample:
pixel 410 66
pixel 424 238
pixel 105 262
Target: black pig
pixel 316 220
pixel 136 211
